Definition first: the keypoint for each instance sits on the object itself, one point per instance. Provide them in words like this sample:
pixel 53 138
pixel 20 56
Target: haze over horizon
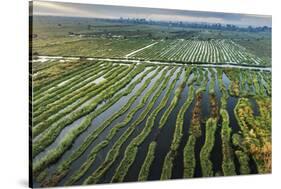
pixel 115 12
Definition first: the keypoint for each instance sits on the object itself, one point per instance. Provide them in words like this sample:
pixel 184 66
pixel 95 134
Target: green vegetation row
pixel 206 164
pixel 195 130
pixel 39 89
pixel 55 89
pixel 50 135
pixel 144 172
pixel 109 137
pixel 132 149
pixel 90 93
pixel 52 120
pixel 114 152
pixel 150 155
pixel 169 159
pixel 66 142
pixel 55 72
pixel 69 138
pixel 76 83
pixel 228 166
pixel 64 167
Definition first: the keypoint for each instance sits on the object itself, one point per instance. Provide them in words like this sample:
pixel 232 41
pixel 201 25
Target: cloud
pixel 107 11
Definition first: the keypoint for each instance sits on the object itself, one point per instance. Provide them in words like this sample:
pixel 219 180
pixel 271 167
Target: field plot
pixel 92 47
pixel 100 122
pixel 200 51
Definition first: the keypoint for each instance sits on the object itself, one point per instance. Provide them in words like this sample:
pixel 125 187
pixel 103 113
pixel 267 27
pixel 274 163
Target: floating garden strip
pixel 77 175
pixel 49 136
pixel 169 159
pixel 173 104
pixel 75 83
pixel 64 167
pixel 132 148
pixel 189 157
pixel 67 97
pixel 243 161
pixel 146 165
pixel 206 164
pixel 114 152
pixel 234 88
pixel 43 118
pixel 47 123
pixel 194 132
pixel 83 84
pixel 66 142
pixel 211 126
pixel 144 172
pixel 228 166
pixel 40 92
pixel 45 86
pixel 39 95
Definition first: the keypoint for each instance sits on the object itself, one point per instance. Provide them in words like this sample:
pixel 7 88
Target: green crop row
pixel 228 165
pixel 143 174
pixel 42 118
pixel 168 162
pixel 206 164
pixel 132 148
pixel 114 152
pixel 174 102
pixel 243 161
pixel 189 157
pixel 92 69
pixel 109 137
pixel 145 167
pixel 68 89
pixel 63 168
pixel 39 89
pixel 50 135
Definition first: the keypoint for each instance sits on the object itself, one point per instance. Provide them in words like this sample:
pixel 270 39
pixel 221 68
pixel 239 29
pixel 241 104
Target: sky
pixel 115 12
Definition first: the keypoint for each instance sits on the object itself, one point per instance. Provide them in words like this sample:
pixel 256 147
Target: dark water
pixel 164 138
pixel 104 116
pixel 111 171
pixel 100 118
pixel 134 170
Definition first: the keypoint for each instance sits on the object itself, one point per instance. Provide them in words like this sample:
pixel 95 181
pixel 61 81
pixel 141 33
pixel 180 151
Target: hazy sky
pixel 106 11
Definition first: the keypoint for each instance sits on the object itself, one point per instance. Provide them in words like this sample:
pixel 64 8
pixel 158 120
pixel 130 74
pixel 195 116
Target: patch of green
pixel 66 142
pixel 189 157
pixel 63 168
pixel 168 162
pixel 114 152
pixel 243 161
pixel 228 165
pixel 144 172
pixel 206 164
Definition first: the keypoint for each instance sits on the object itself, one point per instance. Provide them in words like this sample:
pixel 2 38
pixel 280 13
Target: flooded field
pixel 151 122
